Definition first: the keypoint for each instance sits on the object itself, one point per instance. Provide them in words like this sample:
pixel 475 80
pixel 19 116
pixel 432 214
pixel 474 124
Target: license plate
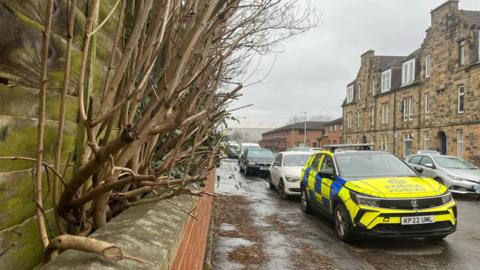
pixel 418 220
pixel 264 168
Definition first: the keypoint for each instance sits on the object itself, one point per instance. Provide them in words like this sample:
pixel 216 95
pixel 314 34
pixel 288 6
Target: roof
pixel 336 121
pixel 311 125
pixel 386 62
pixel 247 124
pixel 412 55
pixel 472 16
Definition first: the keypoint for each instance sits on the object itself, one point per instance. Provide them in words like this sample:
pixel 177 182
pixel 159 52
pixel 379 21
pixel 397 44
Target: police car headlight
pixel 292 178
pixel 447 197
pixel 365 200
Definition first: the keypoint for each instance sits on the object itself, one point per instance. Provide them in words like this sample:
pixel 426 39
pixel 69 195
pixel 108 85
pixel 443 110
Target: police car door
pixel 327 175
pixel 314 182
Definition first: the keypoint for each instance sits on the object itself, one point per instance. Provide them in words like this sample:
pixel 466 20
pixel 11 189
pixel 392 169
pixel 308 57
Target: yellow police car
pixel 370 193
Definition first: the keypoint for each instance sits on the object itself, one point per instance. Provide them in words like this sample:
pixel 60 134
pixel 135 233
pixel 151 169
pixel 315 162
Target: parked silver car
pixel 459 175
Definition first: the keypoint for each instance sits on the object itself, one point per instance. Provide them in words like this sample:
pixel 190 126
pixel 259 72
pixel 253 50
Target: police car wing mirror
pixel 418 169
pixel 325 175
pixel 430 165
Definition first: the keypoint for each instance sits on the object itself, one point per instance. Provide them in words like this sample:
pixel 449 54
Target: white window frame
pixel 386 80
pixel 372 122
pixel 404 109
pixel 426 141
pixel 460 143
pixel 427 105
pixel 462 45
pixel 349 120
pixel 384 142
pixel 374 82
pixel 461 97
pixel 407 138
pixel 334 127
pixel 408 72
pixel 428 65
pixel 385 113
pixel 350 90
pixel 410 108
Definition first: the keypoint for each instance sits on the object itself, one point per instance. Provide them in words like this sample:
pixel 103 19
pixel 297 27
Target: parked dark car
pixel 256 161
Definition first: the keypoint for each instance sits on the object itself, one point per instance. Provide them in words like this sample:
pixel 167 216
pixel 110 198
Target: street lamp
pixel 305 131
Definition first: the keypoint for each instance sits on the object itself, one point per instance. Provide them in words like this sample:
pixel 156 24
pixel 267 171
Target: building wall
pixel 449 27
pixel 285 139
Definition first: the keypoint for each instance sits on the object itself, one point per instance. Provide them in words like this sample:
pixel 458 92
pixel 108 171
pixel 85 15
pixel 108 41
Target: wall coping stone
pixel 151 232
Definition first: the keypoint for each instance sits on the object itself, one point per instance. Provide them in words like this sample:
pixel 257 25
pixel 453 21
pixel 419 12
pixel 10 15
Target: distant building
pixel 427 100
pixel 250 131
pixel 333 133
pixel 293 135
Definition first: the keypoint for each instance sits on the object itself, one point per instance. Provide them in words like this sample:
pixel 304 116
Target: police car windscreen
pixel 369 165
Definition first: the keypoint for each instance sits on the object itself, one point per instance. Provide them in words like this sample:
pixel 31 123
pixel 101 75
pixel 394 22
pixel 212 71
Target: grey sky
pixel 312 71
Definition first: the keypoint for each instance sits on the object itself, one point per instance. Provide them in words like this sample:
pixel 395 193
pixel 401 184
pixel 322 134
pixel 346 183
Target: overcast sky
pixel 314 68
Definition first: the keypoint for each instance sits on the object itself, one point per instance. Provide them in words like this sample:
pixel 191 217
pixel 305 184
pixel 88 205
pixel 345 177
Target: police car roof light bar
pixel 359 146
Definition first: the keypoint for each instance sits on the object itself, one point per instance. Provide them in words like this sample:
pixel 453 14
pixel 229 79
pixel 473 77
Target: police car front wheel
pixel 343 224
pixel 306 208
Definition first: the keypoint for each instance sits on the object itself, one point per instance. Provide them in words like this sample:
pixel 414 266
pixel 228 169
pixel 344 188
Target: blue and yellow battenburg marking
pixel 325 192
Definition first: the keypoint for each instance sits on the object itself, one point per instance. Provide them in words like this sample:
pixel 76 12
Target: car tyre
pixel 272 186
pixel 305 203
pixel 247 171
pixel 343 223
pixel 281 190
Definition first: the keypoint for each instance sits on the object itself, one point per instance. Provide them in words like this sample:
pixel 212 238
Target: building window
pixel 407 144
pixel 358 93
pixel 428 65
pixel 427 106
pixel 460 145
pixel 462 52
pixel 384 113
pixel 373 117
pixel 349 120
pixel 407 108
pixel 374 83
pixel 408 72
pixel 426 141
pixel 349 93
pixel 334 127
pixel 461 99
pixel 358 119
pixel 384 143
pixel 386 80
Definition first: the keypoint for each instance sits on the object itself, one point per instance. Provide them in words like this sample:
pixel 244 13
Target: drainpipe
pixel 394 122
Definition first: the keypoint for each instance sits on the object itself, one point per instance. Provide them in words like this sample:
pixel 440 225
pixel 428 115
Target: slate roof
pixel 386 62
pixel 336 121
pixel 311 125
pixel 472 16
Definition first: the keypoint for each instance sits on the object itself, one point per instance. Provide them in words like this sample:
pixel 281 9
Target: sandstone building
pixel 429 99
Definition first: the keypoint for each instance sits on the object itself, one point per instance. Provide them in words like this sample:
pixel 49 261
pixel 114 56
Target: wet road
pixel 292 240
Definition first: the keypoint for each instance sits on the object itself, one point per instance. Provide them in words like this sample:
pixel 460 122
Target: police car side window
pixel 327 165
pixel 316 161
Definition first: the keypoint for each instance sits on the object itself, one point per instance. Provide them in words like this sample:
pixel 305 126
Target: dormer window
pixel 349 93
pixel 408 72
pixel 386 80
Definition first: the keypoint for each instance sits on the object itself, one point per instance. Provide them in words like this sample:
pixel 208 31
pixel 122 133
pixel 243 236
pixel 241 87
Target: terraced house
pixel 429 99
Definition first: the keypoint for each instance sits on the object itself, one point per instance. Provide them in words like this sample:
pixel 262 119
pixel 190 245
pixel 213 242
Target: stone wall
pixel 21 24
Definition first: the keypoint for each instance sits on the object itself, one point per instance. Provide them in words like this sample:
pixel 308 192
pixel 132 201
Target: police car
pixel 372 193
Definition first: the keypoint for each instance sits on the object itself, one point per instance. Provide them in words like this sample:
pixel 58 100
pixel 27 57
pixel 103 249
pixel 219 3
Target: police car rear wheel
pixel 306 208
pixel 343 225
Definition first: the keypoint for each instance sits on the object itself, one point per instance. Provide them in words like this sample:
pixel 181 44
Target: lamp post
pixel 305 131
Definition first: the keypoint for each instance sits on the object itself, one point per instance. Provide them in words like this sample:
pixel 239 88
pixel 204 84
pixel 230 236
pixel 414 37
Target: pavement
pixel 285 238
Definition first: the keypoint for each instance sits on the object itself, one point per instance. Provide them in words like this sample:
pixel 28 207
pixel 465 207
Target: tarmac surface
pixel 285 238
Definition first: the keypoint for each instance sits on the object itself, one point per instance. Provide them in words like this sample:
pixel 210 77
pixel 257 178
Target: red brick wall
pixel 191 251
pixel 283 140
